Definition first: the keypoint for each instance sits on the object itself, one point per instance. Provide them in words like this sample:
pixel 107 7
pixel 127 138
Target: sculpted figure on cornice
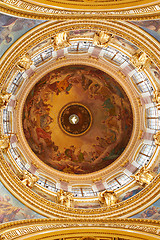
pixel 156 98
pixel 29 179
pixel 140 60
pixel 4 99
pixel 102 39
pixel 4 142
pixel 61 40
pixel 143 176
pixel 157 138
pixel 107 198
pixel 25 62
pixel 64 198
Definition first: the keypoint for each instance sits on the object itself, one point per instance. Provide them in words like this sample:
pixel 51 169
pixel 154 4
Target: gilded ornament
pixel 143 176
pixel 29 179
pixel 64 198
pixel 157 138
pixel 4 142
pixel 107 198
pixel 156 98
pixel 25 62
pixel 4 99
pixel 61 40
pixel 140 60
pixel 102 39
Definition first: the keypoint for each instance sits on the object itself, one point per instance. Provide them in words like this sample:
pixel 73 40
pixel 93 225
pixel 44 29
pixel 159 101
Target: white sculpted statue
pixel 25 62
pixel 4 142
pixel 29 179
pixel 107 198
pixel 61 40
pixel 4 99
pixel 64 198
pixel 140 60
pixel 143 176
pixel 102 39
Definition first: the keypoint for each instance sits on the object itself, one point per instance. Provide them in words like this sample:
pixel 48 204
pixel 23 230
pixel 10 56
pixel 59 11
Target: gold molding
pixel 67 228
pixel 82 10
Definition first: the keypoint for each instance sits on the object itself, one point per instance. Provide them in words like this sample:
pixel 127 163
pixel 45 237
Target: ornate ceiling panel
pixel 39 61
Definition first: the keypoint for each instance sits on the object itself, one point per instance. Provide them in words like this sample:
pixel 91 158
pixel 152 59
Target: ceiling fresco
pixel 12 209
pixel 12 28
pixel 109 119
pixel 150 26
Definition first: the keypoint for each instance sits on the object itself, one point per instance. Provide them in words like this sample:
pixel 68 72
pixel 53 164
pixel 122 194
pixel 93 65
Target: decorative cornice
pixel 114 10
pixel 68 228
